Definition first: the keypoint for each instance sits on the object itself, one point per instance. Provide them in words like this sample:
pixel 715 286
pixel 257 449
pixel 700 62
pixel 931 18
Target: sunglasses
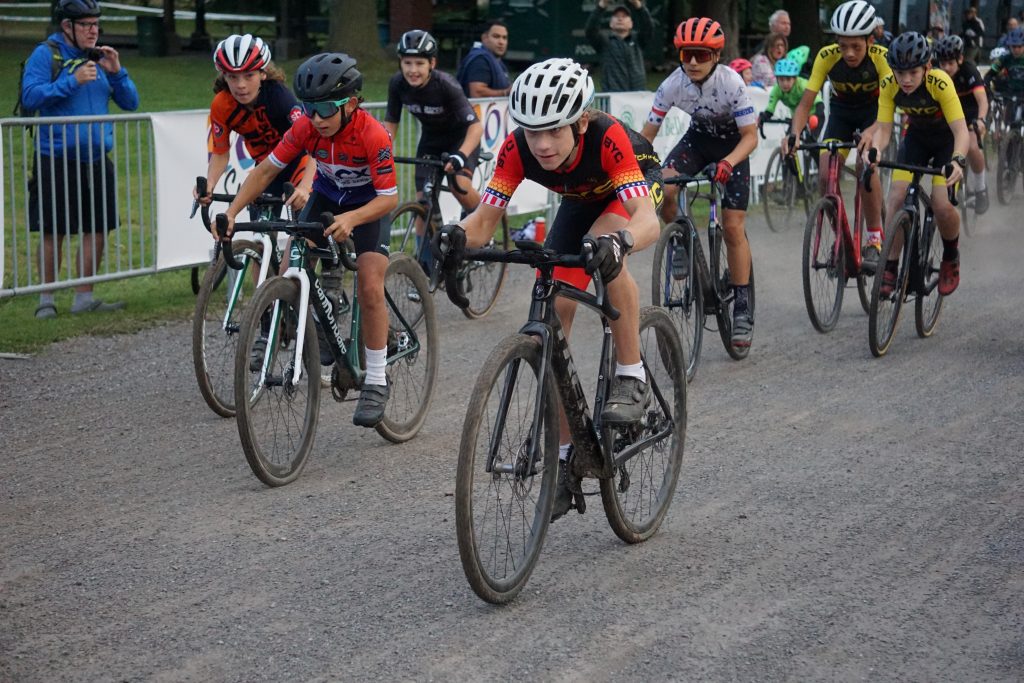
pixel 325 109
pixel 701 55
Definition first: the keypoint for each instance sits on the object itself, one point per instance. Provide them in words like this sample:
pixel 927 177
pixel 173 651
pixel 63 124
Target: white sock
pixel 971 182
pixel 82 299
pixel 563 451
pixel 634 370
pixel 875 237
pixel 980 175
pixel 376 360
pixel 46 299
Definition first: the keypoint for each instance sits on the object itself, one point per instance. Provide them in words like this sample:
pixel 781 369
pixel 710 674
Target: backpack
pixel 55 66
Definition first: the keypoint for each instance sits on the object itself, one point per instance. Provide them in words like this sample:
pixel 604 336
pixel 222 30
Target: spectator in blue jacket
pixel 481 72
pixel 72 190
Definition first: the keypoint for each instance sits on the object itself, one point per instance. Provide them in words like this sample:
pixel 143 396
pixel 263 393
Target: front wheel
pixel 726 294
pixel 928 303
pixel 966 212
pixel 781 193
pixel 412 349
pixel 676 287
pixel 637 496
pixel 277 415
pixel 887 305
pixel 222 297
pixel 507 471
pixel 482 280
pixel 824 266
pixel 1006 169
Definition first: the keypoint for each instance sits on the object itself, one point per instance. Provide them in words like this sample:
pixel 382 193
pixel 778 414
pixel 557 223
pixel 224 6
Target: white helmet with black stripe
pixel 853 18
pixel 551 94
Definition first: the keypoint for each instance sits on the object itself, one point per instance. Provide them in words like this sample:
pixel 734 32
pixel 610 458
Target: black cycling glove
pixel 608 254
pixel 448 245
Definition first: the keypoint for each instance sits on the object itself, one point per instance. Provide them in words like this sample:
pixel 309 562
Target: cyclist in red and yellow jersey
pixel 936 133
pixel 855 67
pixel 252 100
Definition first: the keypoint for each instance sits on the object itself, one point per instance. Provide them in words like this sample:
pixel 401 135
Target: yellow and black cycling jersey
pixel 852 85
pixel 934 103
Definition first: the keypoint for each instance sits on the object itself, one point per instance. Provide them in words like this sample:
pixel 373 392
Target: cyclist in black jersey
pixel 970 88
pixel 448 121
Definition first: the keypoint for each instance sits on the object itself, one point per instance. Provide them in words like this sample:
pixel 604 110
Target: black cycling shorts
pixel 925 146
pixel 374 236
pixel 696 150
pixel 433 150
pixel 844 120
pixel 86 202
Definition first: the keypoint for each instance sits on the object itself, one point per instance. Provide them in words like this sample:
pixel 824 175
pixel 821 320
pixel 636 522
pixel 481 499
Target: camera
pixel 94 54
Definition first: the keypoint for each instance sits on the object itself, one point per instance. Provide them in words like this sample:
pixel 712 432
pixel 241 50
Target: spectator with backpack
pixel 73 187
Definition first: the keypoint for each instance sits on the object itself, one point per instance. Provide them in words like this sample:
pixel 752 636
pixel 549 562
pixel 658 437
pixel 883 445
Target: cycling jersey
pixel 852 86
pixel 440 106
pixel 606 163
pixel 718 107
pixel 791 98
pixel 967 80
pixel 260 124
pixel 1008 73
pixel 933 104
pixel 353 166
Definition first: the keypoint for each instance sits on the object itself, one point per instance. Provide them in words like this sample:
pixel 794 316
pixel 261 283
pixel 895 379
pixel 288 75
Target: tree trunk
pixel 170 35
pixel 727 13
pixel 354 30
pixel 803 16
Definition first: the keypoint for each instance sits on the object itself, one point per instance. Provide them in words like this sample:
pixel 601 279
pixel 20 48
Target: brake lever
pixel 201 187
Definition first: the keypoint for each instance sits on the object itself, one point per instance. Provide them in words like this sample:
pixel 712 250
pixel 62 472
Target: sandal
pixel 98 306
pixel 46 311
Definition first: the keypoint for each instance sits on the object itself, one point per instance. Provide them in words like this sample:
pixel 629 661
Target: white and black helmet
pixel 853 18
pixel 241 53
pixel 417 43
pixel 551 94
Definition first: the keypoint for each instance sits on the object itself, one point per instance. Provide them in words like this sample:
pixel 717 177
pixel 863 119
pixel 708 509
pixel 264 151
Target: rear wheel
pixel 404 220
pixel 781 194
pixel 723 281
pixel 966 212
pixel 506 477
pixel 886 306
pixel 482 280
pixel 277 415
pixel 1007 168
pixel 222 297
pixel 637 496
pixel 412 349
pixel 676 287
pixel 824 266
pixel 928 303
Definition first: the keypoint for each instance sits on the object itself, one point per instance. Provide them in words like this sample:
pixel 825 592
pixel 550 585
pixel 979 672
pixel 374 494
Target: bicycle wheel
pixel 223 295
pixel 678 289
pixel 885 310
pixel 1006 169
pixel 965 211
pixel 277 417
pixel 778 193
pixel 412 350
pixel 636 498
pixel 506 477
pixel 928 303
pixel 724 310
pixel 483 280
pixel 824 266
pixel 403 228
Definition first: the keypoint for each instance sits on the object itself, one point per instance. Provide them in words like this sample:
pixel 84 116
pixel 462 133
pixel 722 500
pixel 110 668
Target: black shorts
pixel 925 146
pixel 844 120
pixel 696 150
pixel 432 150
pixel 374 236
pixel 87 202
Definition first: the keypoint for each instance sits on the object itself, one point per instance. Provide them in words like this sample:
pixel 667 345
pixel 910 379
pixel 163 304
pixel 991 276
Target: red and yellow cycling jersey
pixel 606 162
pixel 261 124
pixel 352 167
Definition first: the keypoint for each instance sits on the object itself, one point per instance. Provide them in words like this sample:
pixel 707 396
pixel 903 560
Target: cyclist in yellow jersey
pixel 855 67
pixel 936 134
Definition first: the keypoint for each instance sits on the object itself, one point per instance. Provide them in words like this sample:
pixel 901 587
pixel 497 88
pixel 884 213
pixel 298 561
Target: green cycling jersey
pixel 1007 75
pixel 791 98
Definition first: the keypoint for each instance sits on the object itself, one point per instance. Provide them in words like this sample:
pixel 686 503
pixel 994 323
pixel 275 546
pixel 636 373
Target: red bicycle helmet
pixel 700 32
pixel 238 54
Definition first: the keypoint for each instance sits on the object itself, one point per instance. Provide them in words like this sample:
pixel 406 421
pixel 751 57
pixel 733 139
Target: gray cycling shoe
pixel 370 410
pixel 626 401
pixel 742 329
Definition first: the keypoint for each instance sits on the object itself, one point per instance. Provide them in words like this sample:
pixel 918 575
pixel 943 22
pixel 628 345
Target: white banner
pixel 3 222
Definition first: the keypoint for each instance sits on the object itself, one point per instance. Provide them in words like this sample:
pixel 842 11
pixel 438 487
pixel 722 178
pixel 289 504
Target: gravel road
pixel 838 517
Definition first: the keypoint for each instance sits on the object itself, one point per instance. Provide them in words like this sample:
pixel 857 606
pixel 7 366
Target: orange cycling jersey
pixel 261 124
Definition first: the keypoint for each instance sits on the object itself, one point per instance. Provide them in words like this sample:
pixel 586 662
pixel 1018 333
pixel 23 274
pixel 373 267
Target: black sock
pixel 892 266
pixel 742 302
pixel 950 249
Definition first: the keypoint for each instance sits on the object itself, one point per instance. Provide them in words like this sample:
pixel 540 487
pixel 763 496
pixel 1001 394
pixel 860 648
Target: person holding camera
pixel 72 190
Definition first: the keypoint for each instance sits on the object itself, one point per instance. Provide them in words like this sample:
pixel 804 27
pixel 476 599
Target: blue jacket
pixel 65 97
pixel 498 72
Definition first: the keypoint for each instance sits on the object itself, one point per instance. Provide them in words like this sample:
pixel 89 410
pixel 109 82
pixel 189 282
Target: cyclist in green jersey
pixel 789 89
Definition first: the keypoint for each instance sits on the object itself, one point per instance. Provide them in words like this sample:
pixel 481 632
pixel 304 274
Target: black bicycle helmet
pixel 328 76
pixel 78 9
pixel 417 43
pixel 909 50
pixel 949 48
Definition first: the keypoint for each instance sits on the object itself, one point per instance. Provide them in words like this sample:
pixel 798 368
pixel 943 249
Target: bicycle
pixel 508 455
pixel 788 180
pixel 915 240
pixel 682 282
pixel 277 366
pixel 831 250
pixel 220 298
pixel 1011 147
pixel 962 196
pixel 483 281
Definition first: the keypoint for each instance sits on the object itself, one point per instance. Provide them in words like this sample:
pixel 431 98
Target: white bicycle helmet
pixel 853 18
pixel 238 54
pixel 551 94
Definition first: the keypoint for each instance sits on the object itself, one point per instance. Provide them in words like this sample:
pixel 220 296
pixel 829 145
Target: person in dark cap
pixel 621 51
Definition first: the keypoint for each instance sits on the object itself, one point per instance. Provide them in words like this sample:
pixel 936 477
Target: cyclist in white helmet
pixel 855 67
pixel 598 167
